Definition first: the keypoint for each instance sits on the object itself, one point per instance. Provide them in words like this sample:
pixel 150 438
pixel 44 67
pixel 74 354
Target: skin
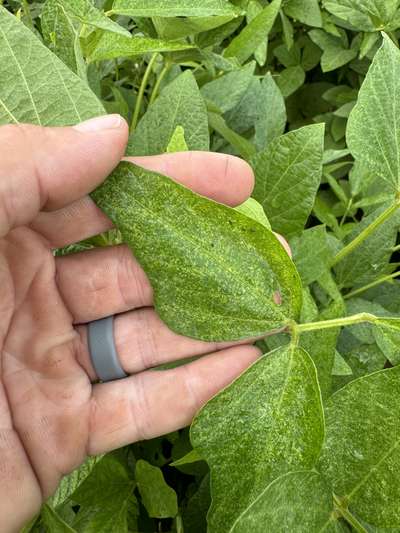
pixel 52 414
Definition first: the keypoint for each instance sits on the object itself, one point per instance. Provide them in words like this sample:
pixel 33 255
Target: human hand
pixel 51 414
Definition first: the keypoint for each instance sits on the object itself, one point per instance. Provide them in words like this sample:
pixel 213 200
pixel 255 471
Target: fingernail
pixel 107 122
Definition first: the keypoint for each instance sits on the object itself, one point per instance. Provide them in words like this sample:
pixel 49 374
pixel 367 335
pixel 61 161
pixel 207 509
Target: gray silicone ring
pixel 102 350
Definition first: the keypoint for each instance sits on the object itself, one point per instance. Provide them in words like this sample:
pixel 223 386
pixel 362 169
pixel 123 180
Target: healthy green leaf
pixel 290 79
pixel 367 262
pixel 252 209
pixel 227 91
pixel 159 499
pixel 267 423
pixel 374 124
pixel 180 104
pixel 295 502
pixel 254 34
pixel 288 174
pixel 53 522
pixel 63 100
pixel 106 45
pixel 311 266
pixel 272 114
pixel 361 452
pixel 306 11
pixel 242 146
pixel 104 499
pixel 334 55
pixel 87 13
pixel 174 8
pixel 214 271
pixel 60 34
pixel 178 141
pixel 176 28
pixel 368 15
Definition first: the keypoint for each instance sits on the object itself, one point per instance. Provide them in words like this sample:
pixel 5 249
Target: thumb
pixel 48 168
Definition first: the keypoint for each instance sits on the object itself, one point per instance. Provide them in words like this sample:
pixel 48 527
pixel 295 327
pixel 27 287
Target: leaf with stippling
pixel 215 272
pixel 180 104
pixel 174 8
pixel 296 502
pixel 267 423
pixel 373 130
pixel 362 448
pixel 25 62
pixel 288 174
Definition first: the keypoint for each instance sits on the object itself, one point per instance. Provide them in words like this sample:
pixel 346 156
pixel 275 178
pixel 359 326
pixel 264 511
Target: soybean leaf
pixel 252 209
pixel 53 522
pixel 242 146
pixel 335 54
pixel 374 124
pixel 288 174
pixel 176 28
pixel 268 422
pixel 178 141
pixel 368 15
pixel 69 484
pixel 215 272
pixel 180 104
pixel 361 451
pixel 296 502
pixel 106 45
pixel 311 266
pixel 195 512
pixel 290 79
pixel 87 13
pixel 63 100
pixel 254 34
pixel 104 499
pixel 272 113
pixel 306 11
pixel 60 34
pixel 174 8
pixel 159 499
pixel 227 91
pixel 372 257
pixel 387 336
pixel 340 366
pixel 243 117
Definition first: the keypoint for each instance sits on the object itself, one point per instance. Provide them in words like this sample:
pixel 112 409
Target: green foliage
pixel 214 271
pixel 274 424
pixel 308 92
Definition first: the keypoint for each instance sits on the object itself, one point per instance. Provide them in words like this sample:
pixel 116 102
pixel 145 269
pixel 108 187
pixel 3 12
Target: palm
pixel 51 414
pixel 45 393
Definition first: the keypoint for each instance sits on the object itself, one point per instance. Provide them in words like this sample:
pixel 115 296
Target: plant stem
pixel 355 243
pixel 157 85
pixel 395 248
pixel 351 519
pixel 371 285
pixel 297 329
pixel 142 89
